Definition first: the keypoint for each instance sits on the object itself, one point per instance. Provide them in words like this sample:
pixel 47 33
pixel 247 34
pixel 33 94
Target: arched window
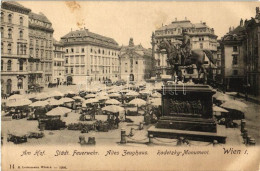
pixel 10 18
pixel 2 65
pixel 2 32
pixel 21 65
pixel 9 65
pixel 9 33
pixel 98 51
pixel 9 47
pixel 2 47
pixel 21 34
pixel 2 16
pixel 21 20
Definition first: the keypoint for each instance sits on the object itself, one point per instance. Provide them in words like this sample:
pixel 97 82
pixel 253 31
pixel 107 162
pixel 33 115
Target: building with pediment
pixel 135 62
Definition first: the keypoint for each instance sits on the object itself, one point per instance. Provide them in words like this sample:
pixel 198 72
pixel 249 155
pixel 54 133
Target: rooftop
pixel 39 17
pixel 84 35
pixel 7 4
pixel 183 24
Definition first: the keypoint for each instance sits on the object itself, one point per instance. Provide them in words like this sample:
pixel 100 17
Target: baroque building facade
pixel 90 57
pixel 240 57
pixel 201 35
pixel 58 74
pixel 41 49
pixel 135 62
pixel 233 54
pixel 252 59
pixel 14 47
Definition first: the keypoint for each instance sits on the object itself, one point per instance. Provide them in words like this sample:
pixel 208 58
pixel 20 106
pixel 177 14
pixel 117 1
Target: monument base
pixel 187 123
pixel 190 135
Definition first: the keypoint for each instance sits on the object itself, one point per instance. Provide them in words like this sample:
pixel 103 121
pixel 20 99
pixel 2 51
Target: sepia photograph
pixel 132 85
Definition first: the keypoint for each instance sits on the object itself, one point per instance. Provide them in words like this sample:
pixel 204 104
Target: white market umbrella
pixel 132 93
pixel 89 101
pixel 56 94
pixel 66 100
pixel 54 102
pixel 125 91
pixel 114 95
pixel 102 97
pixel 78 98
pixel 221 96
pixel 219 109
pixel 145 92
pixel 70 92
pixel 103 93
pixel 156 101
pixel 113 108
pixel 156 95
pixel 19 102
pixel 42 96
pixel 90 96
pixel 235 105
pixel 58 111
pixel 39 104
pixel 112 102
pixel 137 102
pixel 15 97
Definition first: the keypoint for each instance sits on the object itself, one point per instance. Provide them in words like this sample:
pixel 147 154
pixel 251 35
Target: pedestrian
pixel 117 120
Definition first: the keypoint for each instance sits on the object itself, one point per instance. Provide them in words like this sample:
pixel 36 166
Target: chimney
pixel 204 23
pixel 257 10
pixel 71 29
pixel 230 29
pixel 185 18
pixel 233 28
pixel 241 23
pixel 175 19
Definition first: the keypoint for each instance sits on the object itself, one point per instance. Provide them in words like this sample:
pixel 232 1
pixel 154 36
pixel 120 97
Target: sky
pixel 122 20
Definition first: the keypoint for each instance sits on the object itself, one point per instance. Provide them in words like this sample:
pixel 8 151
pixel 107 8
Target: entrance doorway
pixel 69 80
pixel 9 86
pixel 132 78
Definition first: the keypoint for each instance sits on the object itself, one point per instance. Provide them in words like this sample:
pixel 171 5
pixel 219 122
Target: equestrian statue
pixel 180 55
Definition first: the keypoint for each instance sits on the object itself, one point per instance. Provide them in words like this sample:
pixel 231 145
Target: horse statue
pixel 176 57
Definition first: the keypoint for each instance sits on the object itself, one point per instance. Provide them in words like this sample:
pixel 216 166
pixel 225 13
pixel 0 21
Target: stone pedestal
pixel 187 111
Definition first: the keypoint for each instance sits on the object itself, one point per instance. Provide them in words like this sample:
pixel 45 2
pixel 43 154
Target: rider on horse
pixel 185 46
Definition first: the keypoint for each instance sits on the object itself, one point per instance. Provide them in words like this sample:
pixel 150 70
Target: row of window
pixel 9 65
pixel 41 42
pixel 92 50
pixel 10 33
pixel 40 53
pixel 10 18
pixel 98 60
pixel 40 66
pixel 58 63
pixel 9 83
pixel 179 31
